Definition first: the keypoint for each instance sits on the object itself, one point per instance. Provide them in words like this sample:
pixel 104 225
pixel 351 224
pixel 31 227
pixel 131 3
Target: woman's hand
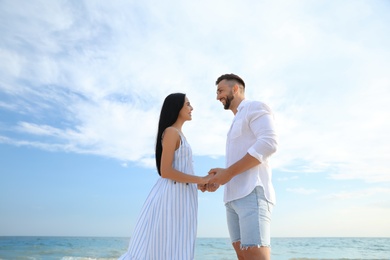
pixel 204 180
pixel 202 184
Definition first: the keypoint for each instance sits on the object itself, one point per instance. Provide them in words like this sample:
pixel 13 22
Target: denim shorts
pixel 249 219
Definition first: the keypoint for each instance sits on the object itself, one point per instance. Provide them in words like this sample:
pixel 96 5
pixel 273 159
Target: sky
pixel 82 84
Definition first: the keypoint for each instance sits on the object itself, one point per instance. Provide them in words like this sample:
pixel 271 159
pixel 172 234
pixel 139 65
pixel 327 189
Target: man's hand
pixel 211 187
pixel 221 176
pixel 202 187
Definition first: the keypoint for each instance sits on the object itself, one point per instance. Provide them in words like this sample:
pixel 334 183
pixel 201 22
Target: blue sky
pixel 82 83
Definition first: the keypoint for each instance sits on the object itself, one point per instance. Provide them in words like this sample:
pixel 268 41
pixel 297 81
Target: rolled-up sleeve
pixel 262 125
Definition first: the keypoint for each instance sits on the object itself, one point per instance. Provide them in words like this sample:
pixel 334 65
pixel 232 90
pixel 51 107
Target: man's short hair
pixel 231 76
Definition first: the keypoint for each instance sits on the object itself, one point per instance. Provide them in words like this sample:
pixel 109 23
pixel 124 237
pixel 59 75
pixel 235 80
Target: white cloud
pixel 105 69
pixel 358 194
pixel 287 178
pixel 302 191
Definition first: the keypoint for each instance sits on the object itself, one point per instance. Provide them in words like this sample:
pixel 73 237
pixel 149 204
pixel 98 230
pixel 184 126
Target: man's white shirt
pixel 252 131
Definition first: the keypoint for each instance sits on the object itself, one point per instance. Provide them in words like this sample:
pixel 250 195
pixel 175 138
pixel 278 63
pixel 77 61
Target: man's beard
pixel 228 102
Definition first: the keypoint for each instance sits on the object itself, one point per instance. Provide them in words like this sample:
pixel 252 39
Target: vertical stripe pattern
pixel 166 227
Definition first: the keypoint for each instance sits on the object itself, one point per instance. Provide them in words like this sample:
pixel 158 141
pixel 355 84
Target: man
pixel 249 195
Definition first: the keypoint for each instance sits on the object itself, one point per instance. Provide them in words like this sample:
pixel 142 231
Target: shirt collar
pixel 241 105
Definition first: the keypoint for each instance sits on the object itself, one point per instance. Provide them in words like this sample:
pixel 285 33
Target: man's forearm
pixel 245 163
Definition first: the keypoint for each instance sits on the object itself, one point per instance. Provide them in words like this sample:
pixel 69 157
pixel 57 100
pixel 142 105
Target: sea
pixel 105 248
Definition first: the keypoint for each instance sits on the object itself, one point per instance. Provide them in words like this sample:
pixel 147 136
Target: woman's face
pixel 186 110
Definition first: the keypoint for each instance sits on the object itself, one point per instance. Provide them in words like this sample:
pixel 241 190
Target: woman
pixel 166 228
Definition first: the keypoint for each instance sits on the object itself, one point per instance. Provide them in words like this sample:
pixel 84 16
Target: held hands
pixel 219 176
pixel 210 187
pixel 204 182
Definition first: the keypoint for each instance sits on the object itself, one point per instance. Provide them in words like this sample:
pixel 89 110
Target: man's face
pixel 225 94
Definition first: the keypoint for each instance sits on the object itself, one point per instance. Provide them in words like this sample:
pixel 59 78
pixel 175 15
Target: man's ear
pixel 235 88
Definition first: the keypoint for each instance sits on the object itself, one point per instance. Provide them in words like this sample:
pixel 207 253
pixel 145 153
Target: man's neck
pixel 235 106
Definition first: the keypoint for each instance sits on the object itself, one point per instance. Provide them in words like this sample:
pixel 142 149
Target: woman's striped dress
pixel 166 227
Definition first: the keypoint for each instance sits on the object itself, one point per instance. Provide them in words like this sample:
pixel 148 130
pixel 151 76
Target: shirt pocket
pixel 236 129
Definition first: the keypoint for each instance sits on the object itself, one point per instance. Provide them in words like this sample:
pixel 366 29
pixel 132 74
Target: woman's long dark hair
pixel 171 107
